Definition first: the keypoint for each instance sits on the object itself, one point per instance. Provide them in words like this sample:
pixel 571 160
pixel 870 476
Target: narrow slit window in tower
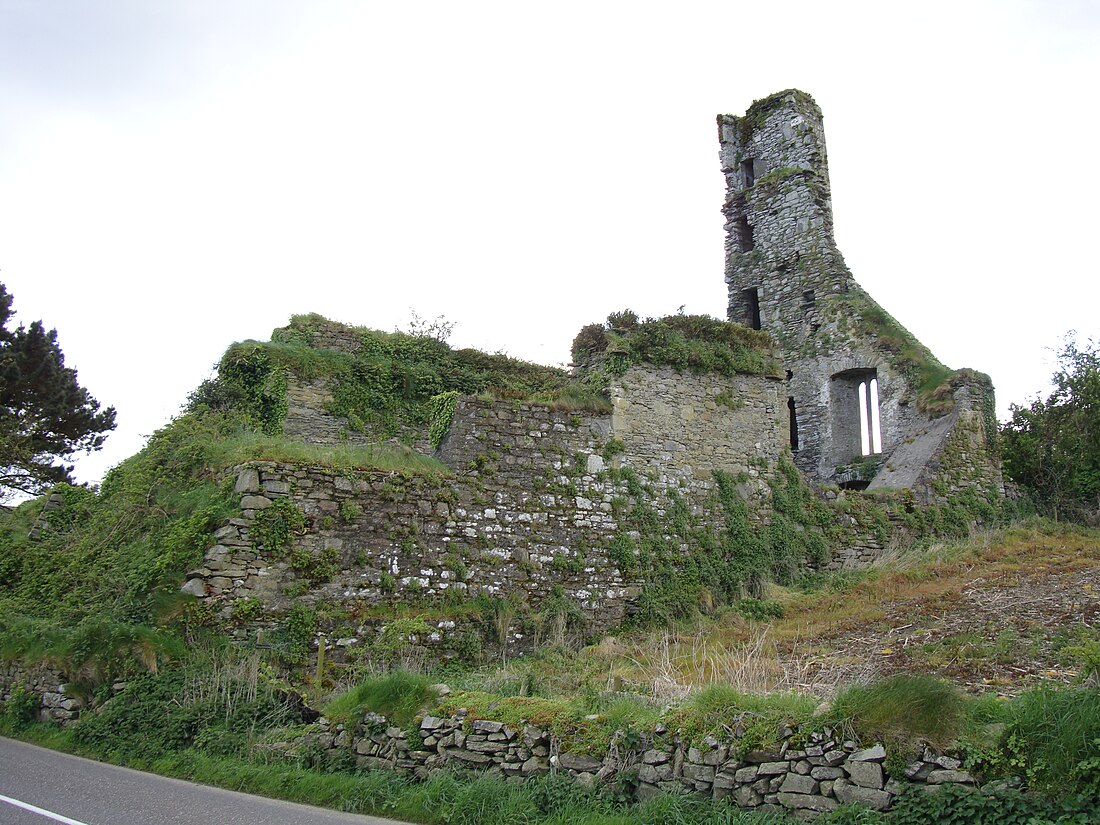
pixel 872 403
pixel 794 424
pixel 869 426
pixel 748 174
pixel 751 299
pixel 808 299
pixel 744 234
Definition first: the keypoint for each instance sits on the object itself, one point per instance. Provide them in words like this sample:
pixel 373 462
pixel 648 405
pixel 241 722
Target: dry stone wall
pixel 57 701
pixel 813 771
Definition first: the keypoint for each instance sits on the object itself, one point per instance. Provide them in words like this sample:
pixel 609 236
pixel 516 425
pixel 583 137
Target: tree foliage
pixel 1052 447
pixel 45 415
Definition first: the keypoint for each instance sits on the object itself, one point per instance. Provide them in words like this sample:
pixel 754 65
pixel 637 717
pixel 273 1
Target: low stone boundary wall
pixel 813 773
pixel 48 684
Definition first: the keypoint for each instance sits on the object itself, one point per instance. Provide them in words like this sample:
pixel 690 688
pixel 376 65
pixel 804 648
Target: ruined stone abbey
pixel 546 505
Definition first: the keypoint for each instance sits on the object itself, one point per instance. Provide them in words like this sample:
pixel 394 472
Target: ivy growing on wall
pixel 720 555
pixel 382 383
pixel 255 383
pixel 441 410
pixel 274 525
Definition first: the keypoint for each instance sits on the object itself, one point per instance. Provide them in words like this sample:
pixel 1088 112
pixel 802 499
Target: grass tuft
pixel 398 695
pixel 904 709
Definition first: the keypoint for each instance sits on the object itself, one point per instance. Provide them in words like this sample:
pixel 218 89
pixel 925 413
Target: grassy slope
pixel 1003 611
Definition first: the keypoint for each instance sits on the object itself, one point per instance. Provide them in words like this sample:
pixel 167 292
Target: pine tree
pixel 45 415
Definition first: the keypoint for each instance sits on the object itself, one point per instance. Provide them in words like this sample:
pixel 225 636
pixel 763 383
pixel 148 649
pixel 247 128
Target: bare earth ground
pixel 998 622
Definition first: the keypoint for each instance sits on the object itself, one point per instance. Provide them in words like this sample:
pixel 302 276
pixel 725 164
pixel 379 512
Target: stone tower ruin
pixel 868 404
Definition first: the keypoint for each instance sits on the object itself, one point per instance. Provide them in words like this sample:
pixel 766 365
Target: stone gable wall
pixel 683 427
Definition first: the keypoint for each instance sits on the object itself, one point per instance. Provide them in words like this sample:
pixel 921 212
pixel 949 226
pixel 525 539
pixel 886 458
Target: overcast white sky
pixel 178 175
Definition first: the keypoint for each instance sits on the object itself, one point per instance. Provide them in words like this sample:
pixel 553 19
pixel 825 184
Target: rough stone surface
pixel 798 783
pixel 865 774
pixel 523 515
pixel 786 276
pixel 848 794
pixel 873 754
pixel 945 776
pixel 799 801
pixel 578 762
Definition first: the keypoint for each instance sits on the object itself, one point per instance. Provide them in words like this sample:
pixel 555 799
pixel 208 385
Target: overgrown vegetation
pixel 95 594
pixel 121 552
pixel 216 718
pixel 903 710
pixel 398 695
pixel 687 564
pixel 695 343
pixel 389 384
pixel 1052 447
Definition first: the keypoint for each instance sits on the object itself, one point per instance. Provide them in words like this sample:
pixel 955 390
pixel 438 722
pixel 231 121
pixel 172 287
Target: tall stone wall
pixel 308 419
pixel 683 427
pixel 528 511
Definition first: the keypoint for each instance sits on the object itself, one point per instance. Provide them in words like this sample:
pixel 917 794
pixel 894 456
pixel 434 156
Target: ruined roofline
pixel 760 109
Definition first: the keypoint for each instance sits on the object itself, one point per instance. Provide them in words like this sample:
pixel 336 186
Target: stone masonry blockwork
pixel 528 511
pixel 786 276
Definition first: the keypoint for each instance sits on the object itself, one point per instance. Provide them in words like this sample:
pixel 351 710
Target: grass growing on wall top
pixel 398 695
pixel 906 708
pixel 249 445
pixel 690 343
pixel 384 385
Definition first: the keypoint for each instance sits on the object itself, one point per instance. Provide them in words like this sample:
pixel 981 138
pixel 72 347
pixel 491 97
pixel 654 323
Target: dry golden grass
pixel 846 633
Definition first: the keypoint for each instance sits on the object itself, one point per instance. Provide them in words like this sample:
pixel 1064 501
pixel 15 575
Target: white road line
pixel 40 811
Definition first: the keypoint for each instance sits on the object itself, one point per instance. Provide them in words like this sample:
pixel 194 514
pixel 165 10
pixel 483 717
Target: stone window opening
pixel 808 299
pixel 748 173
pixel 869 425
pixel 750 299
pixel 794 423
pixel 744 234
pixel 854 414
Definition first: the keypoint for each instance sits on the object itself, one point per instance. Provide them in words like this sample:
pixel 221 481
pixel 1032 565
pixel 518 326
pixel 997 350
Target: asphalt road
pixel 76 791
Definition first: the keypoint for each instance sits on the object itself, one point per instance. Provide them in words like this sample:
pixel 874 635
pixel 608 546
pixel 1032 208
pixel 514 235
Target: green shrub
pixel 350 510
pixel 759 610
pixel 967 806
pixel 274 526
pixel 122 550
pixel 215 701
pixel 22 707
pixel 695 343
pixel 247 609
